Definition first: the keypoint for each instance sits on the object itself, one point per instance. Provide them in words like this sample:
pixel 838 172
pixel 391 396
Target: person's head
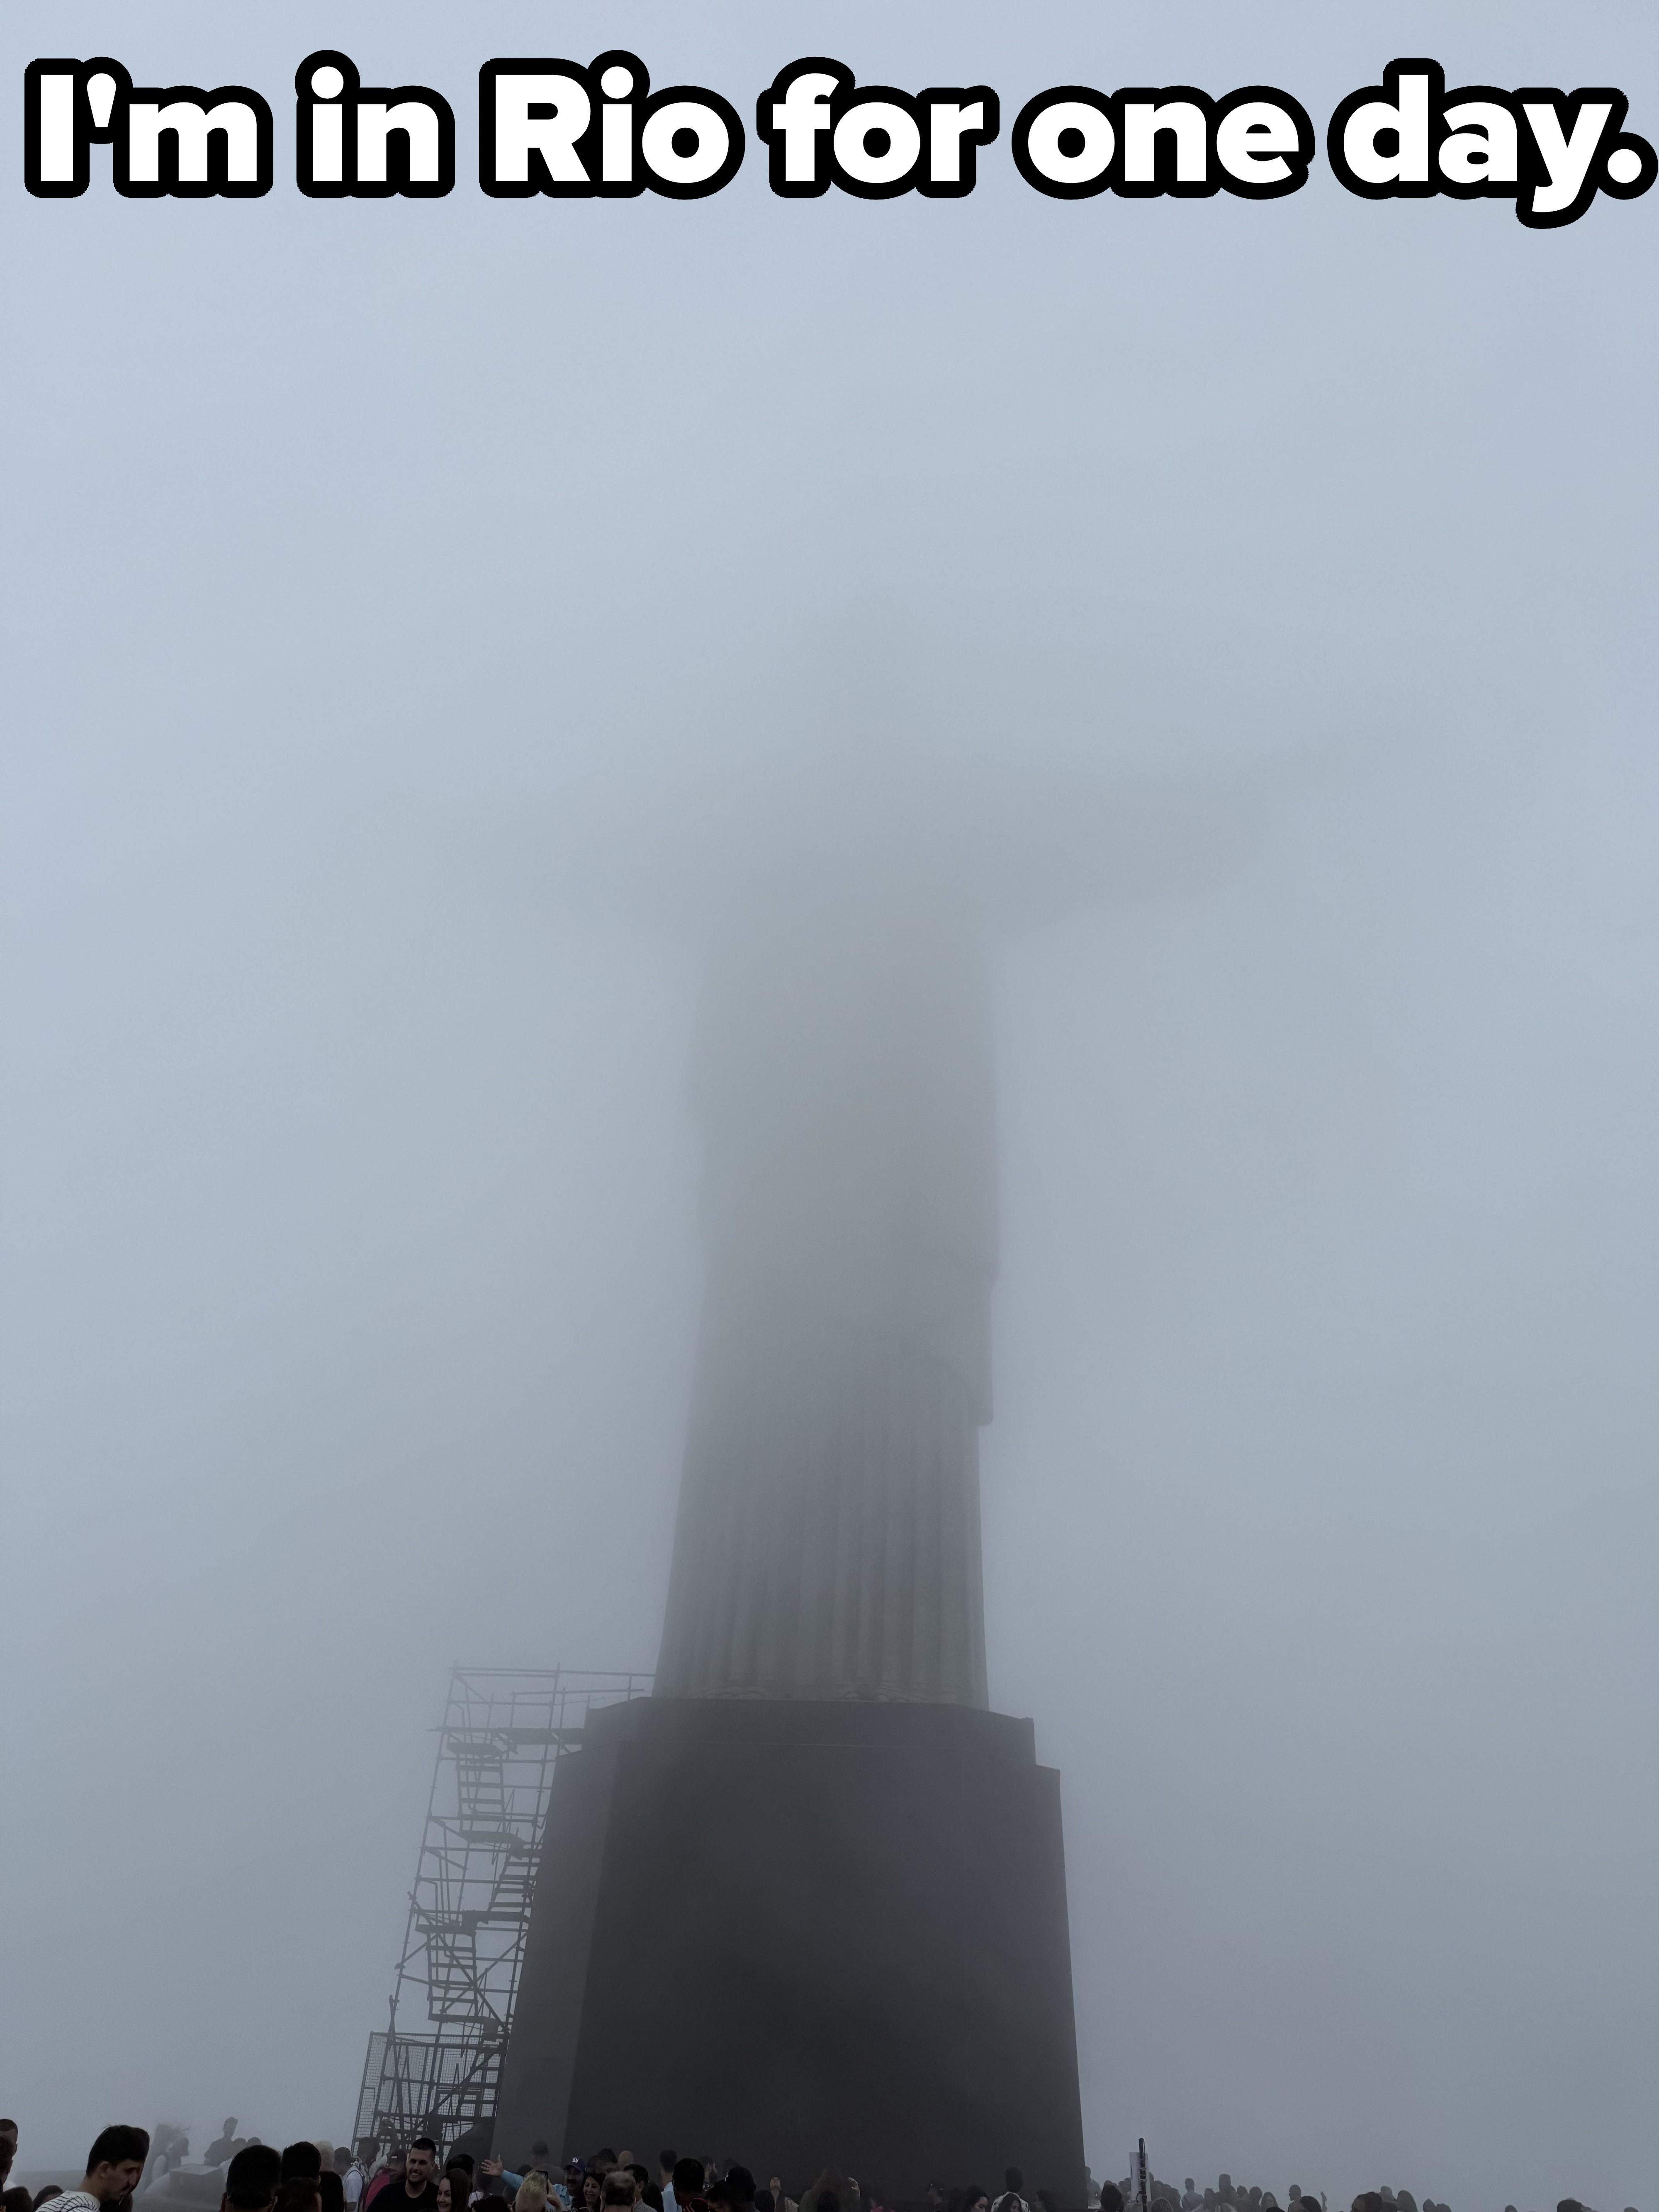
pixel 301 2161
pixel 16 2200
pixel 115 2164
pixel 532 2196
pixel 619 2187
pixel 975 2198
pixel 687 2178
pixel 1013 2178
pixel 418 2162
pixel 342 2158
pixel 1111 2197
pixel 45 2195
pixel 667 2162
pixel 251 2180
pixel 641 2178
pixel 298 2192
pixel 743 2184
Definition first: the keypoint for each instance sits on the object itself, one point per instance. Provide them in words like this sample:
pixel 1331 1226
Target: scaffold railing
pixel 435 2068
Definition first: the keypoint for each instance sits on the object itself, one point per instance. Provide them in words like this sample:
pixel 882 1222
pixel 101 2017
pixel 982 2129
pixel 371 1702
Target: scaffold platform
pixel 434 2070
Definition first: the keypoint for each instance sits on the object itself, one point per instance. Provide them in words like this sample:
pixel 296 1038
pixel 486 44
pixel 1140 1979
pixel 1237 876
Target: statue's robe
pixel 829 1536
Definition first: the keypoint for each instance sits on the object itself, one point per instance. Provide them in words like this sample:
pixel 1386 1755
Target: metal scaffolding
pixel 434 2070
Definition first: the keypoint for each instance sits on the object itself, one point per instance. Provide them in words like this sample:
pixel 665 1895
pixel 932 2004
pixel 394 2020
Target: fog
pixel 413 609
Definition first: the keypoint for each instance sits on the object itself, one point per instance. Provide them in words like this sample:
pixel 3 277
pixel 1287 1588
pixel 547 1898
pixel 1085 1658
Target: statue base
pixel 802 1933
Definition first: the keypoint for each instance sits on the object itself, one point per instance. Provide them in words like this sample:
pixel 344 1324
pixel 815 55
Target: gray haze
pixel 361 558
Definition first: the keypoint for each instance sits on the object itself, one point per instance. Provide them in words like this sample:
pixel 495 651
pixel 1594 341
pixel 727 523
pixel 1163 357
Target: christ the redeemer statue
pixel 869 1973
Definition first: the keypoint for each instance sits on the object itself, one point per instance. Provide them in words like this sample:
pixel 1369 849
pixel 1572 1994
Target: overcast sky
pixel 356 552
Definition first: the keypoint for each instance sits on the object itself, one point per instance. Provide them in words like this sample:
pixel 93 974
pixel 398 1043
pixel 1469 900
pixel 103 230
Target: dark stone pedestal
pixel 795 1933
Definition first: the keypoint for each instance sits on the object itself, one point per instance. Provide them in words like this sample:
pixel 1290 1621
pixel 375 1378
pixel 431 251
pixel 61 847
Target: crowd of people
pixel 239 2173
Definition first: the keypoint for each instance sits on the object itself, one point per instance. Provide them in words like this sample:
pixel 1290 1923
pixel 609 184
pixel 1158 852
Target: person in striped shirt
pixel 115 2165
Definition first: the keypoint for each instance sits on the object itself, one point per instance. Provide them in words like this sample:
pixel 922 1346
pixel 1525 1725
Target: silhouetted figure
pixel 251 2180
pixel 301 2161
pixel 389 2175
